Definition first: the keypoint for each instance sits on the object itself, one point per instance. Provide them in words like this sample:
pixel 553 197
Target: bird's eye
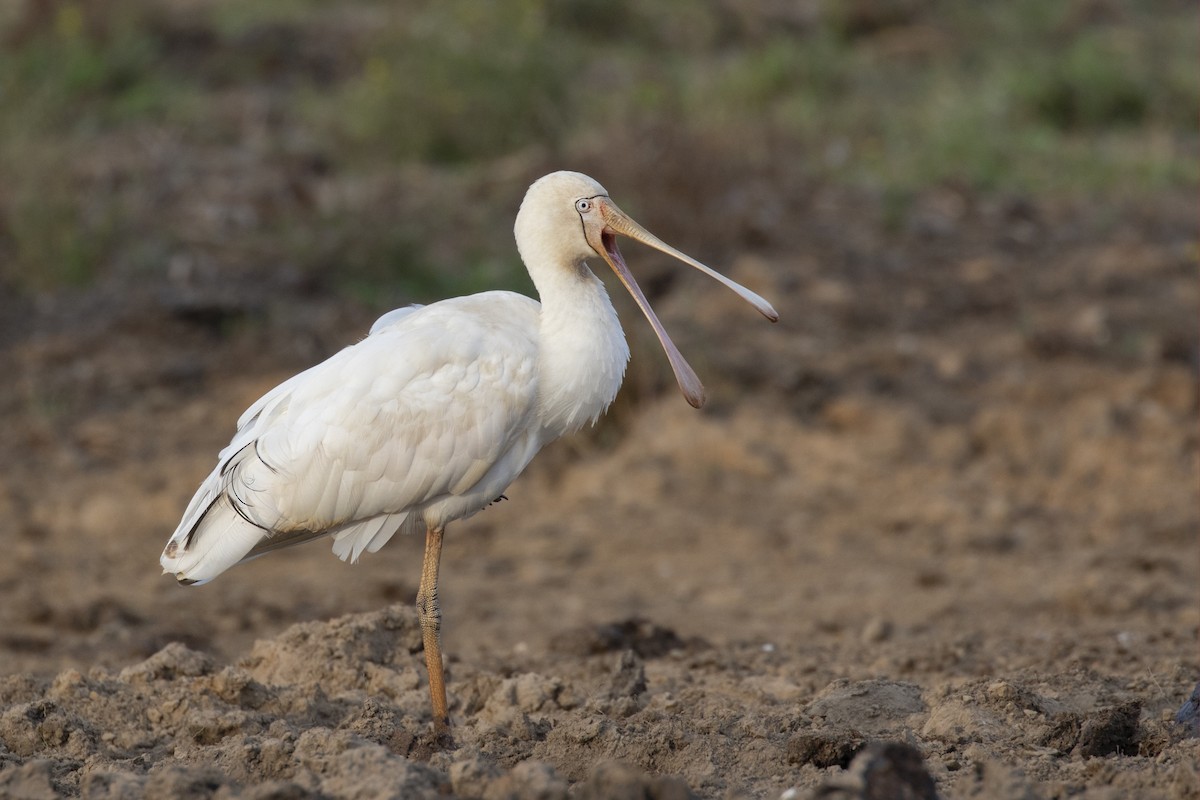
pixel 583 206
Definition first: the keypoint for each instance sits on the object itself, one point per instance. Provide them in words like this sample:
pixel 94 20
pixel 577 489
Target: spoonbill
pixel 431 416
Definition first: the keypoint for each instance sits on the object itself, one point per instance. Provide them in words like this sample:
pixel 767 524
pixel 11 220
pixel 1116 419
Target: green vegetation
pixel 457 83
pixel 300 132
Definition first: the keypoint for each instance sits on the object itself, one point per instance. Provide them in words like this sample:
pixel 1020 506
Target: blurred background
pixel 378 150
pixel 967 450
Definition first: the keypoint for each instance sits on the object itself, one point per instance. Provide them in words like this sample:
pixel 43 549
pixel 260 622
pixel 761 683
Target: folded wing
pixel 428 418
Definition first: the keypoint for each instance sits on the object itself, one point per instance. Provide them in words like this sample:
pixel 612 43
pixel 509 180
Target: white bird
pixel 436 412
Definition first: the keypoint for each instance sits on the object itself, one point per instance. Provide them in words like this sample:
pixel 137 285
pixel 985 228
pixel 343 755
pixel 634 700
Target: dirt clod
pixel 883 771
pixel 824 749
pixel 1189 713
pixel 1110 730
pixel 1095 733
pixel 644 638
pixel 614 780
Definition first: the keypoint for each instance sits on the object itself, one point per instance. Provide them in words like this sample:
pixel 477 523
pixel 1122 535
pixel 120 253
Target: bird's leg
pixel 431 629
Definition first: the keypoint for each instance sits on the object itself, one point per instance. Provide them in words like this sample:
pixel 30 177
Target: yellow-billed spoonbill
pixel 433 415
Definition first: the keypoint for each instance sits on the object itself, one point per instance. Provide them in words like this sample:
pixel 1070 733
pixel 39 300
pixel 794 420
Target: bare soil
pixel 948 502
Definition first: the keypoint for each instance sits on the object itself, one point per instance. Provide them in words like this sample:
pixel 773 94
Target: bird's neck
pixel 583 352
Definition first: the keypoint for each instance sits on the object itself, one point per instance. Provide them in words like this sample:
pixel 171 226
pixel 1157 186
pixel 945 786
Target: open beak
pixel 604 241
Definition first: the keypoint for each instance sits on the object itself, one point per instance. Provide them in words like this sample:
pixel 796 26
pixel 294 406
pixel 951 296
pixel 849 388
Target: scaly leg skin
pixel 431 631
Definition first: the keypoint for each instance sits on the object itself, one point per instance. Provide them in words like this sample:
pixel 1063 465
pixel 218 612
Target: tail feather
pixel 278 541
pixel 366 536
pixel 221 538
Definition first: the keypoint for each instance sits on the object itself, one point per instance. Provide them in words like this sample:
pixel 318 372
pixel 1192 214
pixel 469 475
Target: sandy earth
pixel 948 502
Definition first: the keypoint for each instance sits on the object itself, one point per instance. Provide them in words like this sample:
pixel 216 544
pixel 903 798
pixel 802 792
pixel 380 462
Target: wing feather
pixel 434 400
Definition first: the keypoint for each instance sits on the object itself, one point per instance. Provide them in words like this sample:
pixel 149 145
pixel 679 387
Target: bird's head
pixel 573 217
pixel 558 217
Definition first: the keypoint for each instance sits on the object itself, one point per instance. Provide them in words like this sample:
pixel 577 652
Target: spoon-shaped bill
pixel 620 222
pixel 685 376
pixel 616 221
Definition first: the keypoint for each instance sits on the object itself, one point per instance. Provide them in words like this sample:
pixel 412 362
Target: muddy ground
pixel 948 501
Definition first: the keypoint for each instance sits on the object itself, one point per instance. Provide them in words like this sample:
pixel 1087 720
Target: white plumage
pixel 430 417
pixel 408 427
